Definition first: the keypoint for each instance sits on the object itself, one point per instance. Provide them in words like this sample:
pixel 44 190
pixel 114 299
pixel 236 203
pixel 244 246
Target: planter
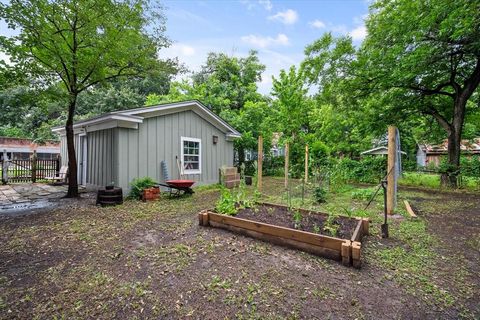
pixel 109 187
pixel 150 194
pixel 248 180
pixel 346 247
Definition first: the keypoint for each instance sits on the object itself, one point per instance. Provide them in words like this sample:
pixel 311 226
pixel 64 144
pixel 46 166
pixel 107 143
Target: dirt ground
pixel 153 261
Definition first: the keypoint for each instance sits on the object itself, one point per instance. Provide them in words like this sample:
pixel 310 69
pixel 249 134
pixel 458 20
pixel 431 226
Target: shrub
pixel 137 186
pixel 320 194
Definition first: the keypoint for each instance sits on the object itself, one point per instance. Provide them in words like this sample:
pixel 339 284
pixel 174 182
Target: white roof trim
pixel 182 105
pixel 102 119
pixel 133 116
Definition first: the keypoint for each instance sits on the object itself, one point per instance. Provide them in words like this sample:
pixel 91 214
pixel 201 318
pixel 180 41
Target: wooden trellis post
pixel 392 153
pixel 306 163
pixel 286 164
pixel 260 163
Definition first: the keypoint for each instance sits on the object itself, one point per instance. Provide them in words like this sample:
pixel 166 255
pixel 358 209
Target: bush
pixel 137 186
pixel 368 170
pixel 320 194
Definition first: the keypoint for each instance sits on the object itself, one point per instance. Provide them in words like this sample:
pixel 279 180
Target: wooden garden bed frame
pixel 346 250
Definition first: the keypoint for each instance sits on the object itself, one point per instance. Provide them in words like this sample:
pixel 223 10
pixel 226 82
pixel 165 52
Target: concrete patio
pixel 23 193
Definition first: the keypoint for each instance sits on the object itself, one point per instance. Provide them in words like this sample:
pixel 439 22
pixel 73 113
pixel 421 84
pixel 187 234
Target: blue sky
pixel 279 30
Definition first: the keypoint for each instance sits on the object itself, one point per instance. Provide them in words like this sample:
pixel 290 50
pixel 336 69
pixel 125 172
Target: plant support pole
pixel 286 165
pixel 392 153
pixel 260 163
pixel 306 163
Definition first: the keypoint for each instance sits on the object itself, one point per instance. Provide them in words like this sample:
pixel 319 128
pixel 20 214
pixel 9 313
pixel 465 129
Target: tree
pixel 83 43
pixel 425 55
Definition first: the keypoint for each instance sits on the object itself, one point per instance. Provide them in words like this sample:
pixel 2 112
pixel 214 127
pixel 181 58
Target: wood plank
pixel 307 247
pixel 303 236
pixel 357 234
pixel 409 209
pixel 366 226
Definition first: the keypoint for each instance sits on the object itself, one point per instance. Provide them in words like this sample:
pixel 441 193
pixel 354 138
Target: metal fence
pixel 26 171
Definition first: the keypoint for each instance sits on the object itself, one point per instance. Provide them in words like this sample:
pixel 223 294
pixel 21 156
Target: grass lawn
pixel 152 260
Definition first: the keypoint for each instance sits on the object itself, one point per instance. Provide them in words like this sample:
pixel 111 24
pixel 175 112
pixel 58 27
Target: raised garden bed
pixel 275 223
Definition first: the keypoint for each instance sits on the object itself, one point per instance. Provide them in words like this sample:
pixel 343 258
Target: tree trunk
pixel 72 160
pixel 450 176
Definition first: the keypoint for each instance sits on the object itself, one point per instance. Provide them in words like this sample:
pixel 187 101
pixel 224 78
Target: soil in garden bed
pixel 311 221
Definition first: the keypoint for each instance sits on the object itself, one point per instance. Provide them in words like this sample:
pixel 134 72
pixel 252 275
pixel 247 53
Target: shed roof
pixel 466 146
pixel 131 117
pixel 377 151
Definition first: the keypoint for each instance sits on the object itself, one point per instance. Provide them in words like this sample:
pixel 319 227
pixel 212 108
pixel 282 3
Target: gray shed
pixel 122 145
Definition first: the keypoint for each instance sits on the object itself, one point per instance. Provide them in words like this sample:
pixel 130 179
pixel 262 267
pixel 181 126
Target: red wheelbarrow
pixel 180 186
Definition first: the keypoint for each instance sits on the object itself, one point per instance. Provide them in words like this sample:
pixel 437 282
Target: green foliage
pixel 138 185
pixel 227 203
pixel 363 194
pixel 330 225
pixel 297 218
pixel 320 194
pixel 368 169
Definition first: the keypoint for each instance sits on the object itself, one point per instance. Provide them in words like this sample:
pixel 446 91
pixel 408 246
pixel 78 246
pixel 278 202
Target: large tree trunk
pixel 72 160
pixel 450 177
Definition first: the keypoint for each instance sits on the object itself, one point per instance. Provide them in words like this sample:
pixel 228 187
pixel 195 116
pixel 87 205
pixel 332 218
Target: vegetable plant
pixel 226 203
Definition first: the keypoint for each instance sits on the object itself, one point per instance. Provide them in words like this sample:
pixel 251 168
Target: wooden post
pixel 34 166
pixel 5 167
pixel 392 151
pixel 286 164
pixel 260 163
pixel 306 163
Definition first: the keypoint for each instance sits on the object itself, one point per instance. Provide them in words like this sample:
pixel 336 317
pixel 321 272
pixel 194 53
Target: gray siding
pixel 101 157
pixel 158 138
pixel 121 155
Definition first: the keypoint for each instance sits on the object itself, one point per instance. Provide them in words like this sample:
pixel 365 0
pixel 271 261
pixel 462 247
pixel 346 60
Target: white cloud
pixel 180 49
pixel 318 24
pixel 359 33
pixel 286 17
pixel 264 42
pixel 267 4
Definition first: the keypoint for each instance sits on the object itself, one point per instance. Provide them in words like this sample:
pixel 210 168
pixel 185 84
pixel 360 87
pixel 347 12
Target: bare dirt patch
pixel 152 260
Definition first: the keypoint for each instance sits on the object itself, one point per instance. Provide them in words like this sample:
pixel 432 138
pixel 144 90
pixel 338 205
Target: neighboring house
pixel 123 145
pixel 428 154
pixel 275 151
pixel 22 149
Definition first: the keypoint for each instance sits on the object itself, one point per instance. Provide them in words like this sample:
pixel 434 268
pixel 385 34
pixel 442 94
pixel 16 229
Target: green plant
pixel 226 203
pixel 363 194
pixel 316 228
pixel 297 218
pixel 320 194
pixel 137 185
pixel 330 225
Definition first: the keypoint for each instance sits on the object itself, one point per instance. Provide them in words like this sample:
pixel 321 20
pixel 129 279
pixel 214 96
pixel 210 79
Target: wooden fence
pixel 26 171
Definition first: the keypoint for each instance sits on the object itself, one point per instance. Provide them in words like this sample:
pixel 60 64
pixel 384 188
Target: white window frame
pixel 191 171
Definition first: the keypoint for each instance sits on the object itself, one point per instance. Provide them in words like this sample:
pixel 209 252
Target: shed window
pixel 191 155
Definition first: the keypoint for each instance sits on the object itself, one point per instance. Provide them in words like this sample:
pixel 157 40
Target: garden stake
pixel 385 224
